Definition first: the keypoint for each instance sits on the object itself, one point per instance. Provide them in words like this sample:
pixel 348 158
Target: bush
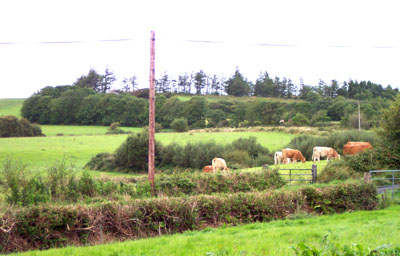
pixel 102 162
pixel 11 126
pixel 300 120
pixel 180 125
pixel 336 170
pixel 374 159
pixel 132 155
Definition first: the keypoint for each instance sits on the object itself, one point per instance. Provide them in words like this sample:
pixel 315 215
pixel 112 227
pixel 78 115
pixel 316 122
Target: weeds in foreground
pixel 329 249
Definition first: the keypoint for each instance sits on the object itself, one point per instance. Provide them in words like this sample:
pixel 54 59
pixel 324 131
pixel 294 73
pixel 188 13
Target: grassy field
pixel 43 151
pixel 75 130
pixel 368 228
pixel 11 107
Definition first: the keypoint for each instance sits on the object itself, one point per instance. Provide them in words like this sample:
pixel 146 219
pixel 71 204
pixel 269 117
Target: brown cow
pixel 207 169
pixel 219 163
pixel 293 154
pixel 354 147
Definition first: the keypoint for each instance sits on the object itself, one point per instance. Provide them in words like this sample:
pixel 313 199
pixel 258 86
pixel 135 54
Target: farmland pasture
pixel 43 151
pixel 11 107
pixel 75 130
pixel 368 228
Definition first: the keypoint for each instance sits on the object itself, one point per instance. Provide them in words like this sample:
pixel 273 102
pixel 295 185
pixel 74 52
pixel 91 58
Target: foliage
pixel 180 125
pixel 374 159
pixel 329 249
pixel 337 170
pixel 11 126
pixel 133 153
pixel 390 124
pixel 42 227
pixel 300 120
pixel 114 129
pixel 237 85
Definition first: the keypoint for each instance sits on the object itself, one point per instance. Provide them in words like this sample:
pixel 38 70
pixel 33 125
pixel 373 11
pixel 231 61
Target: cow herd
pixel 288 155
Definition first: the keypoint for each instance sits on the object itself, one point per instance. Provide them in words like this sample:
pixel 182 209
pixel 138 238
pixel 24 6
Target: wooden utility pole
pixel 359 116
pixel 152 112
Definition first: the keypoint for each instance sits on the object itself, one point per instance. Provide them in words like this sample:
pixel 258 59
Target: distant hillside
pixel 11 107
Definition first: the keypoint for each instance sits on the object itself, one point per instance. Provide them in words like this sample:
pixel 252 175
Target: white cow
pixel 278 158
pixel 219 163
pixel 327 152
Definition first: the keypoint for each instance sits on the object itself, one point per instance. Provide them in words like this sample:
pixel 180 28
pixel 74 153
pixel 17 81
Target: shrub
pixel 237 159
pixel 114 129
pixel 102 162
pixel 300 120
pixel 132 155
pixel 11 126
pixel 180 125
pixel 336 170
pixel 374 159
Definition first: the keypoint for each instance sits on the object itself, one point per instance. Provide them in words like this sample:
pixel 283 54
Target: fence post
pixel 314 173
pixel 367 177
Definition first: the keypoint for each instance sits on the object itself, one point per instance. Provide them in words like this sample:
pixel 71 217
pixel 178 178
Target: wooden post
pixel 367 177
pixel 314 173
pixel 152 100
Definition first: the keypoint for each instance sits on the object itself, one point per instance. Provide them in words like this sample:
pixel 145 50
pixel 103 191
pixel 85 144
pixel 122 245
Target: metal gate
pixel 388 182
pixel 312 174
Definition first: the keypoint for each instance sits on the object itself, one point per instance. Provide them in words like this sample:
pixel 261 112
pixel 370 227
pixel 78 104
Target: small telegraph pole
pixel 359 116
pixel 152 112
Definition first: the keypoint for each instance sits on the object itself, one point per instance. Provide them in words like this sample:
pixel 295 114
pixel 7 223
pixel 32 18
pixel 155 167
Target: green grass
pixel 69 130
pixel 369 228
pixel 44 151
pixel 11 107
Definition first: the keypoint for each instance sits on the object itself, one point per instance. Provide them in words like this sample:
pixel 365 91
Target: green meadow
pixel 11 107
pixel 368 228
pixel 75 130
pixel 43 151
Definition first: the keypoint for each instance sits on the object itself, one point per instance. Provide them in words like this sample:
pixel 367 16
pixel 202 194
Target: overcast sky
pixel 319 39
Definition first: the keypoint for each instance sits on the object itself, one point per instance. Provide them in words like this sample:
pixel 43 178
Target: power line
pixel 195 42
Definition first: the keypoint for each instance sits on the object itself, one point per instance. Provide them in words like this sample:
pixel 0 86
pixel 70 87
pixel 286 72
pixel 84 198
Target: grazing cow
pixel 293 154
pixel 278 158
pixel 354 147
pixel 219 163
pixel 207 169
pixel 327 152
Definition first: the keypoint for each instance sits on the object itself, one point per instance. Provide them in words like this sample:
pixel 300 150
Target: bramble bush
pixel 11 126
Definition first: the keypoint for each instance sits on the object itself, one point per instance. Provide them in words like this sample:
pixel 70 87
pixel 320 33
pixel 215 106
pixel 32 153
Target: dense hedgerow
pixel 56 226
pixel 11 126
pixel 132 155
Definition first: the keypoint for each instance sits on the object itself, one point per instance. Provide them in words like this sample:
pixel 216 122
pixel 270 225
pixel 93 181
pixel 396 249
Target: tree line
pixel 200 83
pixel 85 106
